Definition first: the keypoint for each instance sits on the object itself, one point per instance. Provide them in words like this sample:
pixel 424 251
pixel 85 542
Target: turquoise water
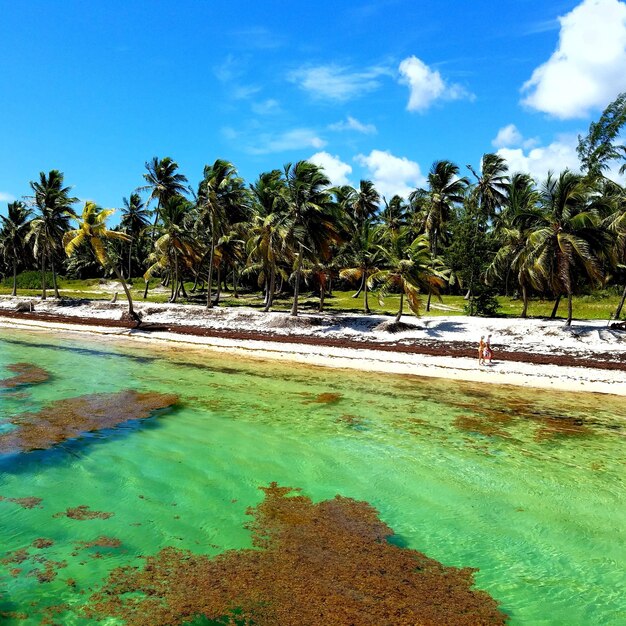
pixel 537 508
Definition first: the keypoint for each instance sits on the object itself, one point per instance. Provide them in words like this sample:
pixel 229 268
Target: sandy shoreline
pixel 393 354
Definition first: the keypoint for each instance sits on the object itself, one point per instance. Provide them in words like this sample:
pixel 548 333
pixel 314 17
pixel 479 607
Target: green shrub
pixel 29 280
pixel 483 302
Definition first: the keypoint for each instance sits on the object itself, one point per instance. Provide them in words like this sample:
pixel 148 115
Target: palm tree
pixel 566 236
pixel 53 206
pixel 614 196
pixel 14 229
pixel 364 204
pixel 134 222
pixel 394 216
pixel 163 182
pixel 410 270
pixel 223 202
pixel 175 245
pixel 444 190
pixel 312 216
pixel 363 258
pixel 512 228
pixel 92 230
pixel 491 184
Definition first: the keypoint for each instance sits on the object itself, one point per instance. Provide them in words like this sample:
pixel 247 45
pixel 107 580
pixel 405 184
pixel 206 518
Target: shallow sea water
pixel 525 485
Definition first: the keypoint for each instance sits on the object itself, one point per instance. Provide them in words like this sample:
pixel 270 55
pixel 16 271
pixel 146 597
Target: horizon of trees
pixel 490 232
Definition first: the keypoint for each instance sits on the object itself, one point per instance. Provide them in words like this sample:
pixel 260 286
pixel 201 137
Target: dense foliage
pixel 493 232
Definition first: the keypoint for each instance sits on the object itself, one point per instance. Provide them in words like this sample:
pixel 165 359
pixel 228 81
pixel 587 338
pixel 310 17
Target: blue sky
pixel 376 89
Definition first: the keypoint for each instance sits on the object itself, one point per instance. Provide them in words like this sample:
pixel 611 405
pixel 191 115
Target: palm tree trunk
pixel 322 293
pixel 219 284
pixel 433 254
pixel 145 291
pixel 209 303
pixel 366 306
pixel 14 292
pixel 54 278
pixel 175 287
pixel 401 305
pixel 568 322
pixel 296 288
pixel 270 291
pixel 130 256
pixel 235 281
pixel 195 282
pixel 524 300
pixel 361 286
pixel 157 214
pixel 181 287
pixel 43 276
pixel 131 310
pixel 556 306
pixel 618 311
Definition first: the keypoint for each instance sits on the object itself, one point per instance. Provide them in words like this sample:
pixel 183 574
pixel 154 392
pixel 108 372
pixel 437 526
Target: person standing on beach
pixel 487 351
pixel 481 350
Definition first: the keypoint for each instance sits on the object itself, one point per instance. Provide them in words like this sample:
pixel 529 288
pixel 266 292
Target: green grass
pixel 599 305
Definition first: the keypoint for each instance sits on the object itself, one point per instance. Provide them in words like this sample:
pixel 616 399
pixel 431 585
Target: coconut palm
pixel 223 202
pixel 92 230
pixel 134 222
pixel 491 184
pixel 614 197
pixel 313 223
pixel 266 246
pixel 393 217
pixel 163 183
pixel 364 203
pixel 12 235
pixel 512 229
pixel 52 204
pixel 362 259
pixel 566 237
pixel 410 270
pixel 444 190
pixel 175 247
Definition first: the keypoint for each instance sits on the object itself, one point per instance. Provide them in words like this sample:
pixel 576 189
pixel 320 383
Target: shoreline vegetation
pixel 482 236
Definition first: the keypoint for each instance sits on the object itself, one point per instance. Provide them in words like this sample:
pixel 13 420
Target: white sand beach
pixel 296 340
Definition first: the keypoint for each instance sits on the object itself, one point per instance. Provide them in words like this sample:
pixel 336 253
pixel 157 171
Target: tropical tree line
pixel 488 232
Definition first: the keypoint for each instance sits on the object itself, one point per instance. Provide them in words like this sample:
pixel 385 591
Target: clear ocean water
pixel 526 485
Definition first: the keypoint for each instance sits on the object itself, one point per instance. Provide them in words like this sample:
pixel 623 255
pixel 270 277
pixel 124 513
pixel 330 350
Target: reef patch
pixel 25 374
pixel 69 418
pixel 312 563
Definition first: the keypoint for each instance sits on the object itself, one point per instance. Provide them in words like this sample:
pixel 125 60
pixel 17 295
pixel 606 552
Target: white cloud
pixel 537 162
pixel 266 107
pixel 507 136
pixel 351 123
pixel 295 139
pixel 390 174
pixel 426 85
pixel 244 92
pixel 588 68
pixel 336 170
pixel 6 197
pixel 334 82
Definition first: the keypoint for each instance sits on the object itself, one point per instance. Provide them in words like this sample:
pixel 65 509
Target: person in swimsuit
pixel 487 351
pixel 481 351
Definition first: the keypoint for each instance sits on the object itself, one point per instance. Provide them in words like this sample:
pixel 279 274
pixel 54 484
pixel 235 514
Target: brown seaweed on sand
pixel 324 563
pixel 25 374
pixel 67 419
